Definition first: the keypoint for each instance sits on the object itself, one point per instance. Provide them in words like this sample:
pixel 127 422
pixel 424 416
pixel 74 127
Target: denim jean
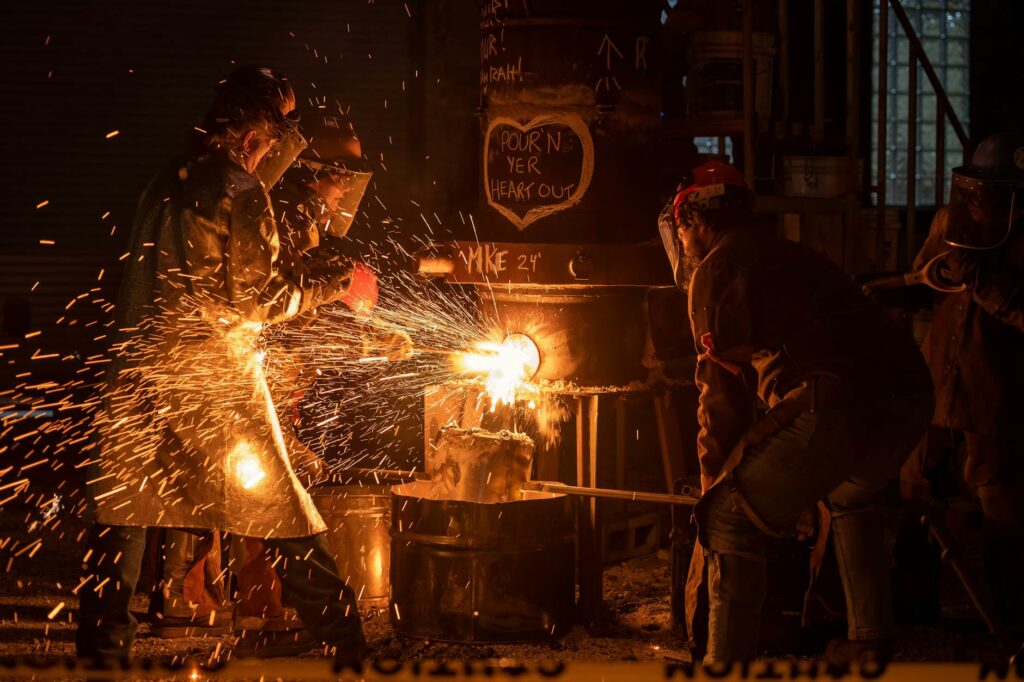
pixel 842 456
pixel 309 581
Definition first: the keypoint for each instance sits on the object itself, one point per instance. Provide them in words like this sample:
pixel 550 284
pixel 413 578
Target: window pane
pixel 943 28
pixel 956 80
pixel 958 23
pixel 956 51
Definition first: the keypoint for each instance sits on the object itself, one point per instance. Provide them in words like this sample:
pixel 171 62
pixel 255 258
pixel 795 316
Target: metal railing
pixel 943 112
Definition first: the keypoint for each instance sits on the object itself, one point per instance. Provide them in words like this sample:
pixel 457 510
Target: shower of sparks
pixel 197 374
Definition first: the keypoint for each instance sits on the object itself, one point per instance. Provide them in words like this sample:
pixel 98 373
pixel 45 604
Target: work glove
pixel 326 281
pixel 384 341
pixel 361 296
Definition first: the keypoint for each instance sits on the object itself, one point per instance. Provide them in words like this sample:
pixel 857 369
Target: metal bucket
pixel 470 572
pixel 358 518
pixel 474 465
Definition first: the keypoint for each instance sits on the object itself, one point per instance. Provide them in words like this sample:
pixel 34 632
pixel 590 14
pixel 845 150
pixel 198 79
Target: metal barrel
pixel 591 337
pixel 570 95
pixel 473 572
pixel 358 518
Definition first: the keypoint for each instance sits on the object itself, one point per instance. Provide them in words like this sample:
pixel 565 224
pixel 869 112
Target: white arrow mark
pixel 608 46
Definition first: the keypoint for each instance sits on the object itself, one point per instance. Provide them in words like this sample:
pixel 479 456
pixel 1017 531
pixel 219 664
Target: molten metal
pixel 506 367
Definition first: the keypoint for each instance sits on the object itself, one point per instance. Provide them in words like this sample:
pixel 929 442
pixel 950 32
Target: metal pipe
pixel 818 133
pixel 940 152
pixel 748 91
pixel 912 159
pixel 435 265
pixel 783 51
pixel 853 88
pixel 883 101
pixel 609 494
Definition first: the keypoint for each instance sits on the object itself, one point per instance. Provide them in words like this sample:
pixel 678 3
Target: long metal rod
pixel 749 92
pixel 934 525
pixel 818 132
pixel 783 51
pixel 911 241
pixel 883 101
pixel 608 493
pixel 940 153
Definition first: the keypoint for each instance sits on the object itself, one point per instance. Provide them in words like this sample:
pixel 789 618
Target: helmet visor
pixel 982 212
pixel 351 186
pixel 282 155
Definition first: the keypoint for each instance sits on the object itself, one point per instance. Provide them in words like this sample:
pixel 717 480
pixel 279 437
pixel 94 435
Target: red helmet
pixel 711 186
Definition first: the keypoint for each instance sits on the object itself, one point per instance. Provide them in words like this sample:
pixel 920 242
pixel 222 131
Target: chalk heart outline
pixel 570 121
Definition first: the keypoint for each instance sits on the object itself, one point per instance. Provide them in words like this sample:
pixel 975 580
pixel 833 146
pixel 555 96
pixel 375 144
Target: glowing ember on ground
pixel 506 367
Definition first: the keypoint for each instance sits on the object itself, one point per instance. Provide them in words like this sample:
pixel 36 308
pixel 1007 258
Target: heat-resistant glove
pixel 384 341
pixel 362 293
pixel 326 281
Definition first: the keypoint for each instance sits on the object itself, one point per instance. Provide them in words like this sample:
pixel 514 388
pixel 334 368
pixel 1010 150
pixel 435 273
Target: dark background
pixel 73 71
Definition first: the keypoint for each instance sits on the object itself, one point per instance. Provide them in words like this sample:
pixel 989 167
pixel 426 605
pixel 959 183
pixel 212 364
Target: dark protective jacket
pixel 774 320
pixel 975 343
pixel 189 436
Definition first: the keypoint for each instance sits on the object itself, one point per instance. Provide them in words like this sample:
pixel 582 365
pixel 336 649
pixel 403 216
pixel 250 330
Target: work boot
pixel 264 644
pixel 845 652
pixel 285 621
pixel 173 626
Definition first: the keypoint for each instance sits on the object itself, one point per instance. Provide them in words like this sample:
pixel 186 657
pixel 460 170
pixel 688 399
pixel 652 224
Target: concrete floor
pixel 637 593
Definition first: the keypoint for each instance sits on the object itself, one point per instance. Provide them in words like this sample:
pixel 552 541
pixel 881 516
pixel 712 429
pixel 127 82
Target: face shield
pixel 982 212
pixel 283 154
pixel 342 191
pixel 670 241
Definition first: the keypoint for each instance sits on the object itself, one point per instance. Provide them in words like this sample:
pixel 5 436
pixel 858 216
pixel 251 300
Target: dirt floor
pixel 637 593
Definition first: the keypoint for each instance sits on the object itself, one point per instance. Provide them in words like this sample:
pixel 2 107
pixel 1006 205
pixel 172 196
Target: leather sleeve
pixel 255 288
pixel 722 323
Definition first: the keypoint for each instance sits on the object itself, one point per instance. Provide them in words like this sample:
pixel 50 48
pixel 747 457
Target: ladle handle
pixel 608 493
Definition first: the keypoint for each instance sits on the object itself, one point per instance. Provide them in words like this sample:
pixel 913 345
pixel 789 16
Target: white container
pixel 819 176
pixel 714 84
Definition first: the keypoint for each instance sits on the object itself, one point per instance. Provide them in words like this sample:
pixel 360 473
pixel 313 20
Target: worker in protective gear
pixel 189 434
pixel 848 397
pixel 316 202
pixel 975 350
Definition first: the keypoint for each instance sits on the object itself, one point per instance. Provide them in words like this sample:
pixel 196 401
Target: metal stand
pixel 589 509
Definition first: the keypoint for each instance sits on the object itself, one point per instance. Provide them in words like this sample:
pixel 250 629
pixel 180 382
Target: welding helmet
pixel 333 161
pixel 713 186
pixel 986 200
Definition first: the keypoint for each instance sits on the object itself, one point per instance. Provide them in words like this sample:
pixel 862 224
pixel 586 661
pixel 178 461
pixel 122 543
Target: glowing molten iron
pixel 506 367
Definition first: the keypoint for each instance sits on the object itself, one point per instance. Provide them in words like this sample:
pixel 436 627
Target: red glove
pixel 361 295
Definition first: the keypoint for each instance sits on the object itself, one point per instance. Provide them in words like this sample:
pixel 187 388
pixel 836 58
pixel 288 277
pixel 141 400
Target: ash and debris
pixel 637 593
